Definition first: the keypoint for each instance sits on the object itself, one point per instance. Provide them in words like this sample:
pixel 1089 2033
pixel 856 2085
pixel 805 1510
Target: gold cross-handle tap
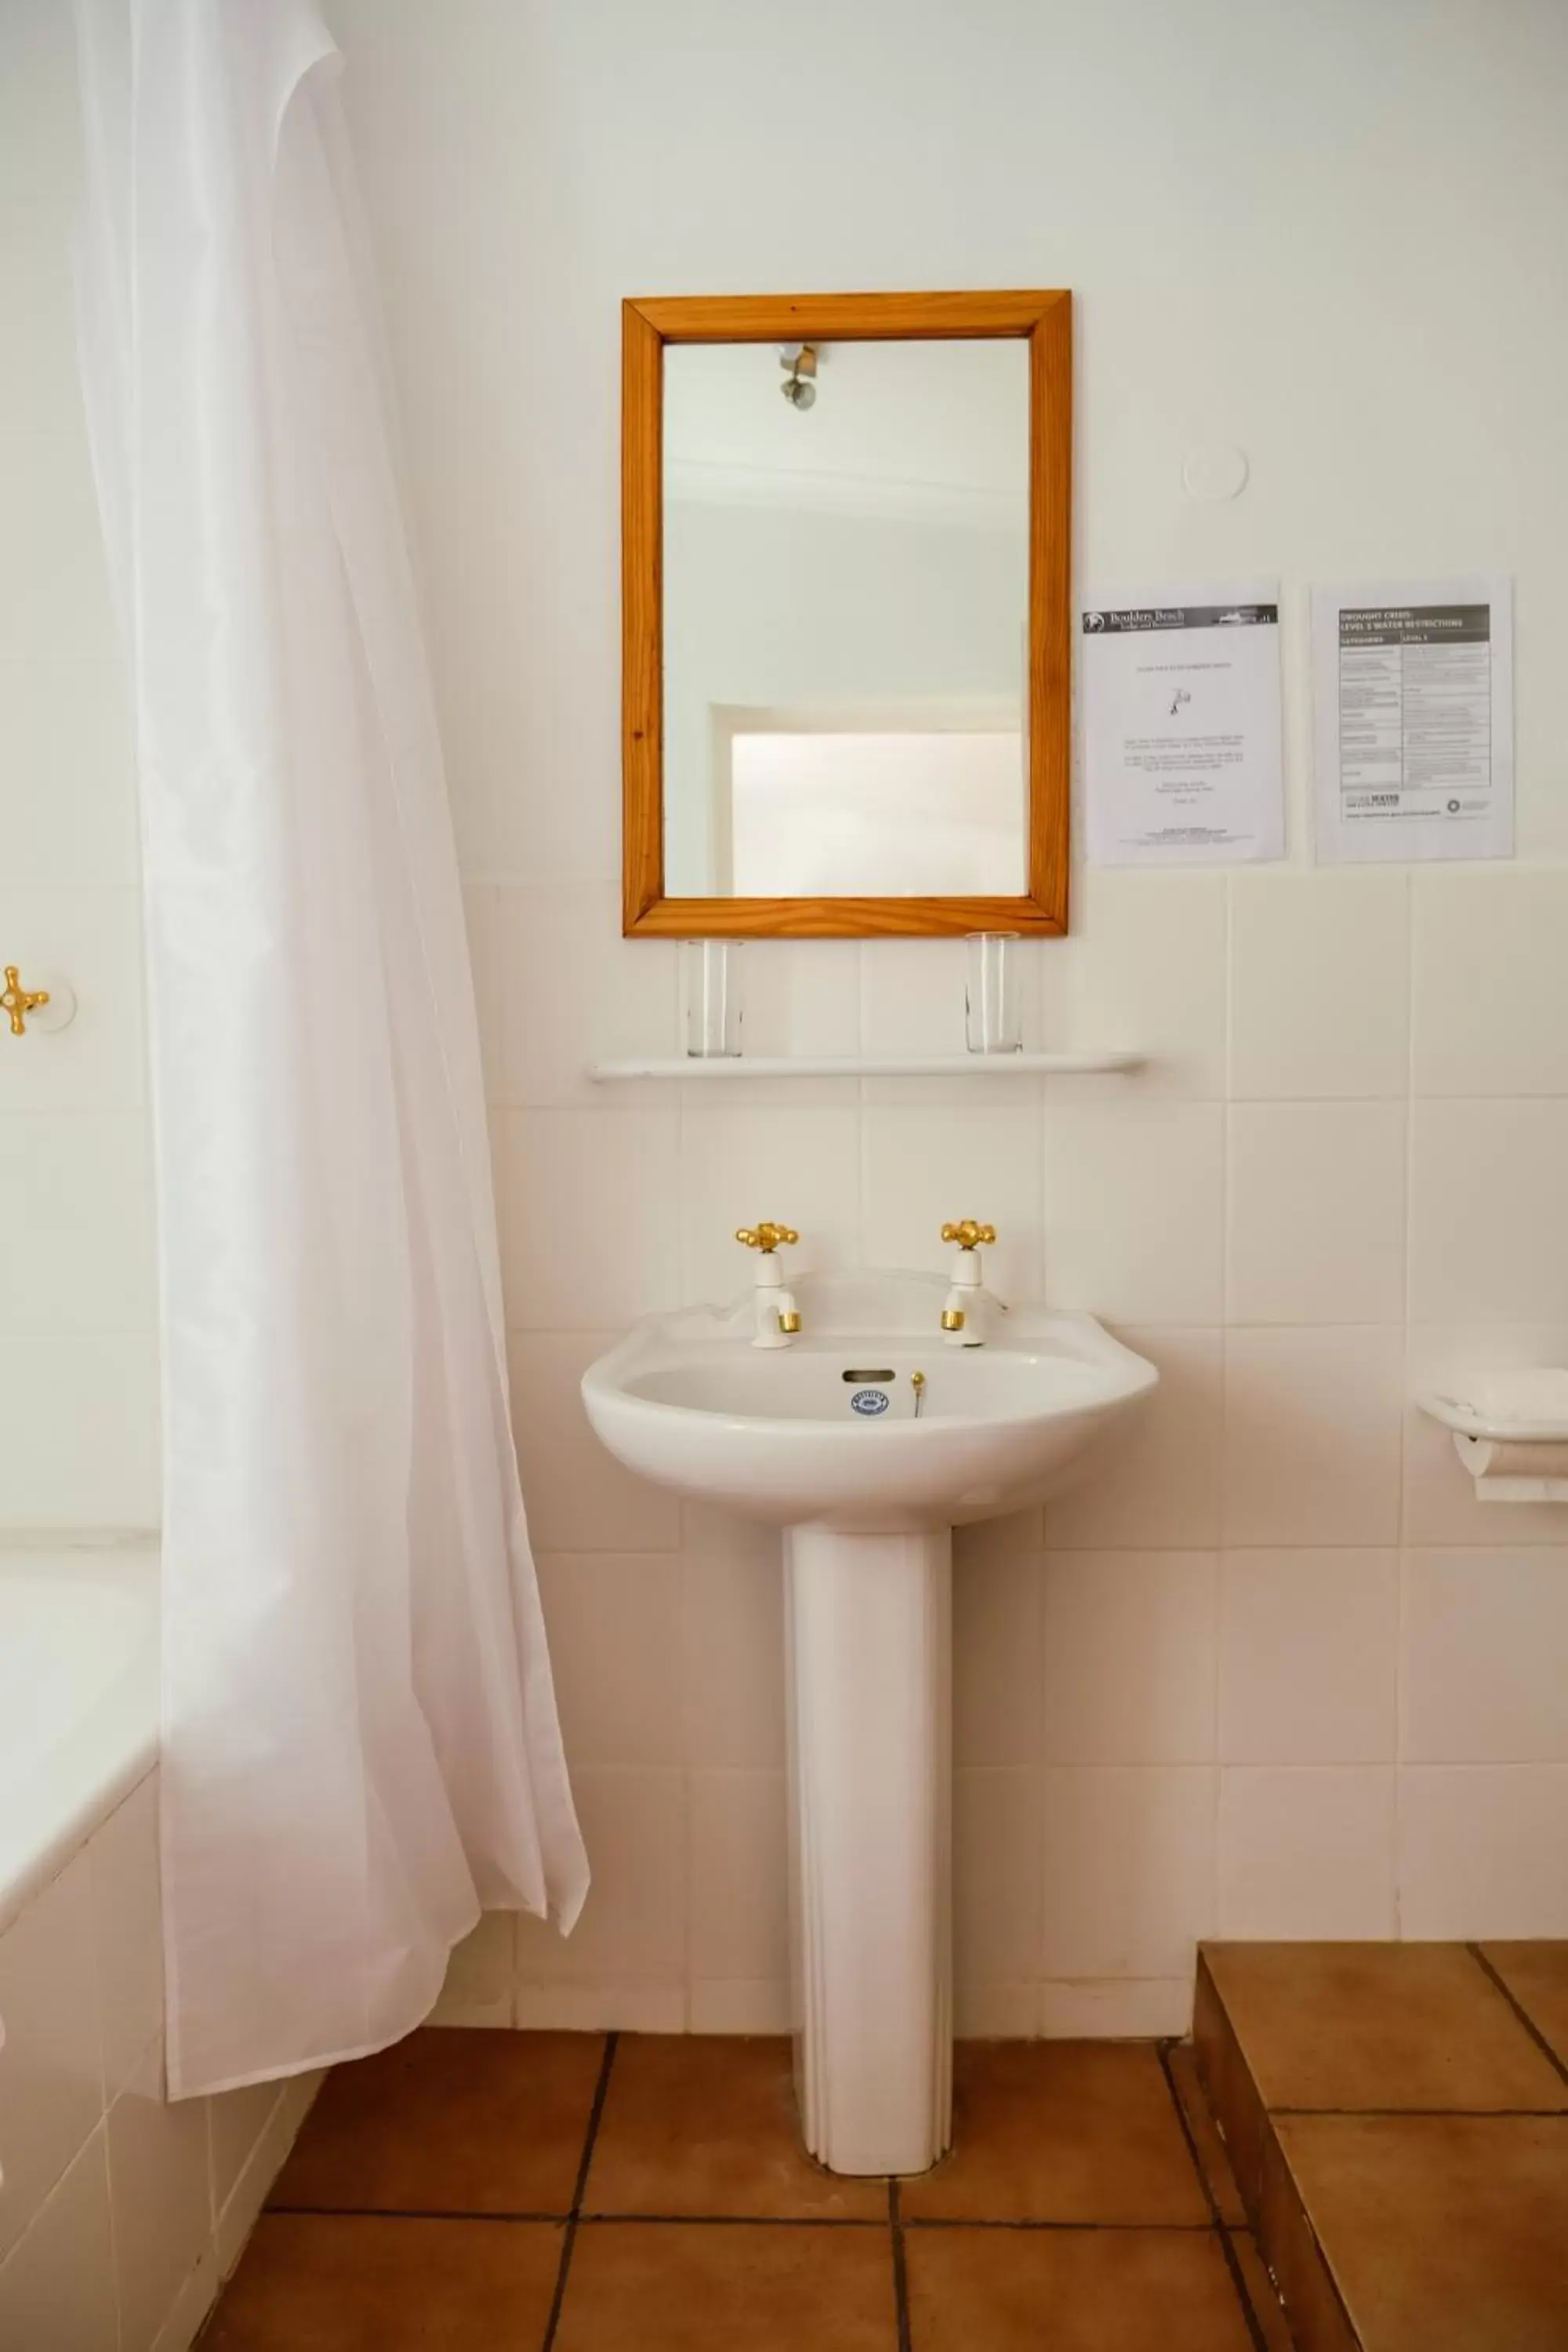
pixel 969 1235
pixel 17 1002
pixel 766 1238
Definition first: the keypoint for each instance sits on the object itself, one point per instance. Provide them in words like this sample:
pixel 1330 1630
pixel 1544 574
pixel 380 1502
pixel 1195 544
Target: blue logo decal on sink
pixel 869 1400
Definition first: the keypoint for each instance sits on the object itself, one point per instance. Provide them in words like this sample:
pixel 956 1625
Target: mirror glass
pixel 845 618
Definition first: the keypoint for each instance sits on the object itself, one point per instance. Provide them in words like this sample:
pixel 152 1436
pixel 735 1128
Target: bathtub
pixel 120 2214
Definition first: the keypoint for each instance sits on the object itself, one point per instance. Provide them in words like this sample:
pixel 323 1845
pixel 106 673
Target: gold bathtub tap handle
pixel 969 1235
pixel 766 1238
pixel 18 1001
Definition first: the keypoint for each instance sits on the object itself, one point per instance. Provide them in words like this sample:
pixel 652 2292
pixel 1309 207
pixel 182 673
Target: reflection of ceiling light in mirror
pixel 800 359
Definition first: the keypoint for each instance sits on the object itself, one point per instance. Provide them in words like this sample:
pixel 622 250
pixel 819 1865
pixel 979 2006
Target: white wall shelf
pixel 862 1065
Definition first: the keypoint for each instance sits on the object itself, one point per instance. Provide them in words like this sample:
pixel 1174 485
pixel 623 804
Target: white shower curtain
pixel 361 1747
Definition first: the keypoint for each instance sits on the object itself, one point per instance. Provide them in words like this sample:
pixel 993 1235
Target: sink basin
pixel 823 1438
pixel 824 1434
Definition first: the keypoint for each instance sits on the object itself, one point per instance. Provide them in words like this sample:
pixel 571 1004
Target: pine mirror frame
pixel 1043 318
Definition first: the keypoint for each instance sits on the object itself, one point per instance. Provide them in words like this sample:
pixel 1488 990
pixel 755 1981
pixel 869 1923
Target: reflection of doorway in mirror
pixel 896 805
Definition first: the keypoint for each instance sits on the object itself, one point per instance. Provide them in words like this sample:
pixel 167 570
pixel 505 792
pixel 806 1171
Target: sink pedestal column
pixel 869 1627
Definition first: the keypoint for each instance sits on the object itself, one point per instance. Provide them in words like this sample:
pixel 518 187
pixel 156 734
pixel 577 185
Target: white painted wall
pixel 77 1302
pixel 1283 1677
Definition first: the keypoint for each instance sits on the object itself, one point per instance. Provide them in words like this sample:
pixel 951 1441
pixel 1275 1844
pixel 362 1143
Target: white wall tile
pixel 996 2012
pixel 572 991
pixel 604 2005
pixel 988 1539
pixel 578 1496
pixel 1129 1869
pixel 1320 981
pixel 912 1001
pixel 56 2287
pixel 237 2123
pixel 633 1928
pixel 481 920
pixel 742 2005
pixel 54 604
pixel 237 2211
pixel 996 1692
pixel 93 939
pixel 51 2068
pixel 1487 1181
pixel 1485 1640
pixel 81 1440
pixel 997 1853
pixel 187 2314
pixel 76 1245
pixel 1129 1651
pixel 1481 1850
pixel 1143 969
pixel 1307 1852
pixel 613 1623
pixel 65 739
pixel 1315 1212
pixel 590 1217
pixel 1440 1504
pixel 923 1172
pixel 732 1642
pixel 1490 980
pixel 1308 1657
pixel 1128 2009
pixel 160 2181
pixel 911 996
pixel 1133 1210
pixel 799 1167
pixel 1312 1446
pixel 739 1878
pixel 800 997
pixel 127 1931
pixel 481 1974
pixel 1159 1488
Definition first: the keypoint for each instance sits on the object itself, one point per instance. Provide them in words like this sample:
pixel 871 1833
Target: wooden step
pixel 1396 2117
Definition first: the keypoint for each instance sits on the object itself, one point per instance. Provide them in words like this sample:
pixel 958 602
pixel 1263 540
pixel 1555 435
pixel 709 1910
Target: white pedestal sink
pixel 824 1439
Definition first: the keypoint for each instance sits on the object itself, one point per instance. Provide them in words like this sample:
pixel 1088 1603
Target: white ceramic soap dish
pixel 1510 1432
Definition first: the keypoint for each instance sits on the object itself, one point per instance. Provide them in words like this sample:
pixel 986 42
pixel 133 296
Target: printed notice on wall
pixel 1414 689
pixel 1181 748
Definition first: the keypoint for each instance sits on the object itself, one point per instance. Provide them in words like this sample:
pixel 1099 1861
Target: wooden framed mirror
pixel 846 614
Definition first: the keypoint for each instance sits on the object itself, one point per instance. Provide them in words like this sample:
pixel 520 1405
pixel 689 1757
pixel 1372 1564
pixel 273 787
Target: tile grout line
pixel 1520 2011
pixel 506 2220
pixel 900 2269
pixel 1253 2324
pixel 730 2221
pixel 1419 2116
pixel 580 2186
pixel 919 2223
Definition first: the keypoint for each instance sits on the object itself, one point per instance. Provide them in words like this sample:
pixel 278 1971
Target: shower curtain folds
pixel 360 1743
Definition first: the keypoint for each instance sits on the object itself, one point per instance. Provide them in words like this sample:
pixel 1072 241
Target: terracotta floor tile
pixel 1445 2233
pixel 1537 1976
pixel 1212 2157
pixel 727 2286
pixel 453 2120
pixel 701 2123
pixel 1072 2291
pixel 353 2283
pixel 1062 2131
pixel 1359 2026
pixel 1266 2308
